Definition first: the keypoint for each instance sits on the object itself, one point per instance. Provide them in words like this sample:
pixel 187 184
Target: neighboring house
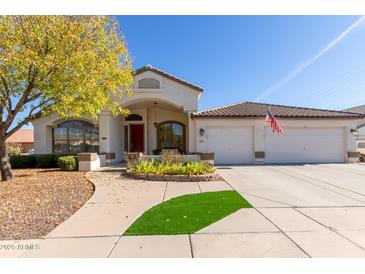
pixel 360 128
pixel 165 115
pixel 23 137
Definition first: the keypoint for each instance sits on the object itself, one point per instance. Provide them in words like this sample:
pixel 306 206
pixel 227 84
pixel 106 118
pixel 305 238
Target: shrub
pixel 14 149
pixel 171 156
pixel 46 161
pixel 158 167
pixel 68 163
pixel 34 161
pixel 23 161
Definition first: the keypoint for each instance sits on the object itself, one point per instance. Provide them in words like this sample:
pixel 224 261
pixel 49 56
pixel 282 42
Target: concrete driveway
pixel 319 209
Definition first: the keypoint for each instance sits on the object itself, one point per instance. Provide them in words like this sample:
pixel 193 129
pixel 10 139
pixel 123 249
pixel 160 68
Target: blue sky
pixel 238 58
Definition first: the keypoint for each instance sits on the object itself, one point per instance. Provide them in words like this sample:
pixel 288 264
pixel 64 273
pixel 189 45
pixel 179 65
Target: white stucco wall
pixel 361 133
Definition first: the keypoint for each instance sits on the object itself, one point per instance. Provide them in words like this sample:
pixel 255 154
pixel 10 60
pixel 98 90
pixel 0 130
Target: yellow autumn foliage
pixel 70 65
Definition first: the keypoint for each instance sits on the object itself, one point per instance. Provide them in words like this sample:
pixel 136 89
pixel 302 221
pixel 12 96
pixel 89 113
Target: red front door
pixel 137 139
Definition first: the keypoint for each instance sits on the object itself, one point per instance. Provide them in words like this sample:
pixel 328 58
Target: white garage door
pixel 231 145
pixel 305 145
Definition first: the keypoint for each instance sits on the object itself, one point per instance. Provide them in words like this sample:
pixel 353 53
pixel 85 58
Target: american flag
pixel 276 128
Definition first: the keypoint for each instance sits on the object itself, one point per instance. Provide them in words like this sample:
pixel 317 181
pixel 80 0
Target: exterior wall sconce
pixel 201 132
pixel 354 132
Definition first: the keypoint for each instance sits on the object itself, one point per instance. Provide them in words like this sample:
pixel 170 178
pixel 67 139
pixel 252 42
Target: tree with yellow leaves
pixel 69 65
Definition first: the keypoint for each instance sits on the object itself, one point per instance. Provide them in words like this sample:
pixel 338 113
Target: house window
pixel 361 145
pixel 134 117
pixel 74 136
pixel 149 83
pixel 171 135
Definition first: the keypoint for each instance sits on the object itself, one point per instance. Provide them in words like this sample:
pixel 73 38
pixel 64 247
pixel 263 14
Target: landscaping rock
pixel 35 201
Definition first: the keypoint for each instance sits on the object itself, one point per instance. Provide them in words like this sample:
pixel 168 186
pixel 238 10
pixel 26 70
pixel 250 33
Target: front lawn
pixel 187 214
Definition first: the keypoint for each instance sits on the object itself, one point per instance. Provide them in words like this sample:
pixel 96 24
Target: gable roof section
pixel 167 75
pixel 255 110
pixel 21 136
pixel 357 109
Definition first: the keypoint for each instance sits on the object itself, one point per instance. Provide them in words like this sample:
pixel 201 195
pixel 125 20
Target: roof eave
pixel 280 117
pixel 171 77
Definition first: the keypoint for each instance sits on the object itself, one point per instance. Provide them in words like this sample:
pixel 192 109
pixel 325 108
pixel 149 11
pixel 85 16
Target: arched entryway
pixel 154 125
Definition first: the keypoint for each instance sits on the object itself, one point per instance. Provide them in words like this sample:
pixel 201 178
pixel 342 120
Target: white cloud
pixel 309 61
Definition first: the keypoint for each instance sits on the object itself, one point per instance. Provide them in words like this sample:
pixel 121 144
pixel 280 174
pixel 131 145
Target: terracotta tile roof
pixel 252 110
pixel 167 75
pixel 21 136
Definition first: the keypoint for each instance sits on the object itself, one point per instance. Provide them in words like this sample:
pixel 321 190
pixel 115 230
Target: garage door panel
pixel 305 145
pixel 231 145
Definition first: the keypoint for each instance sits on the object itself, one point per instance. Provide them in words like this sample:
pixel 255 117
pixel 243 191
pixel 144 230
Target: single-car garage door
pixel 305 145
pixel 231 145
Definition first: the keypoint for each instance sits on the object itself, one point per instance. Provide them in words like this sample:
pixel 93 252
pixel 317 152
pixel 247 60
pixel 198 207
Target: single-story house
pixel 165 115
pixel 23 137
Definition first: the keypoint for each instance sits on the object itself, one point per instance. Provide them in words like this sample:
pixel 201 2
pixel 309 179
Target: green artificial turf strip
pixel 187 214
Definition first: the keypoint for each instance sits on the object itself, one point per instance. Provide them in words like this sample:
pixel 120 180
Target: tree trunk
pixel 5 168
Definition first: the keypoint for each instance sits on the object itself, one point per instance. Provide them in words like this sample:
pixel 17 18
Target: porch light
pixel 201 131
pixel 354 132
pixel 155 123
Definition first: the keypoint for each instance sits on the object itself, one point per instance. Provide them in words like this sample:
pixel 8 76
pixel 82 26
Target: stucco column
pixel 259 143
pixel 192 138
pixel 104 135
pixel 352 155
pixel 43 139
pixel 111 136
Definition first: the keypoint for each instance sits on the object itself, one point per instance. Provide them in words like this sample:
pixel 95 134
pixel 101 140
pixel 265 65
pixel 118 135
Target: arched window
pixel 134 117
pixel 149 83
pixel 75 136
pixel 171 135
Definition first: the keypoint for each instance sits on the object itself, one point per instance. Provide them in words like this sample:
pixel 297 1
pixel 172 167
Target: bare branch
pixel 29 73
pixel 42 104
pixel 19 105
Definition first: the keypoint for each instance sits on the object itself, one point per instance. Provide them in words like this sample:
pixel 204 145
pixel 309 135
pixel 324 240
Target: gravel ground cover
pixel 35 201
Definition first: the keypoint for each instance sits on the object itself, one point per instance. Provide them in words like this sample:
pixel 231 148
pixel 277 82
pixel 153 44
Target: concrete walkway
pixel 299 211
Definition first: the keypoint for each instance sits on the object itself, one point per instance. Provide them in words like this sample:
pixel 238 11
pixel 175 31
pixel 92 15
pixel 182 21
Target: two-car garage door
pixel 235 145
pixel 305 145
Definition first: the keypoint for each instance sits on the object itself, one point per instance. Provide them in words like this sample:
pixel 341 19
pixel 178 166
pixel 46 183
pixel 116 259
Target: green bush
pixel 23 161
pixel 68 163
pixel 35 161
pixel 158 167
pixel 47 161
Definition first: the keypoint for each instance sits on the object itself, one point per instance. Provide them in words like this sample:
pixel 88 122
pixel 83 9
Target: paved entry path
pixel 299 211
